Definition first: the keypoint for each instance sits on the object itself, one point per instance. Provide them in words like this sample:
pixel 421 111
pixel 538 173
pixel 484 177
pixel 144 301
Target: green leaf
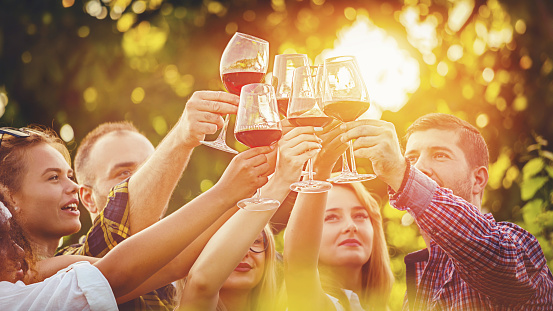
pixel 533 167
pixel 530 212
pixel 529 187
pixel 547 154
pixel 549 170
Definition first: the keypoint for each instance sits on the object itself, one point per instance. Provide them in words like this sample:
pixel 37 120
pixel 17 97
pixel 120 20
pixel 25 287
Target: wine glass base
pixel 347 178
pixel 258 204
pixel 313 186
pixel 219 144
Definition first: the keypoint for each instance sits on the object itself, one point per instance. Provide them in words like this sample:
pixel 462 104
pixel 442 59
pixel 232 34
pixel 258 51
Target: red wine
pixel 311 121
pixel 346 110
pixel 282 105
pixel 258 138
pixel 234 81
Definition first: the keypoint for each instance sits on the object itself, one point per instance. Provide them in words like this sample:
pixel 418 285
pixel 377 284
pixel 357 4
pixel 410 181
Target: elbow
pixel 199 286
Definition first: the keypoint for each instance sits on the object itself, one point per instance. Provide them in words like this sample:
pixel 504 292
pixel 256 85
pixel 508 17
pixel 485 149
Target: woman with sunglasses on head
pixel 335 253
pixel 40 187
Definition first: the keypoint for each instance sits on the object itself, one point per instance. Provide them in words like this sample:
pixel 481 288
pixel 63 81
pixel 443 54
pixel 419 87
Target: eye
pixel 331 217
pixel 72 178
pixel 412 159
pixel 54 177
pixel 360 216
pixel 441 155
pixel 124 173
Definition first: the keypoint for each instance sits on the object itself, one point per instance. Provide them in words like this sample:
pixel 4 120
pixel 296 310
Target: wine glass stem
pixel 345 166
pixel 223 134
pixel 310 165
pixel 353 166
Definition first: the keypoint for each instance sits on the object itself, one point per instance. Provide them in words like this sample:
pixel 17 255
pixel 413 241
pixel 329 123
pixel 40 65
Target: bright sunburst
pixel 390 73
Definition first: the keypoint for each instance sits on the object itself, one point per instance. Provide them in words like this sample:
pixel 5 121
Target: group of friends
pixel 212 255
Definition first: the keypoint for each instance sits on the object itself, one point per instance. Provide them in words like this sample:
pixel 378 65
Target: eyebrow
pixel 334 209
pixel 433 148
pixel 54 169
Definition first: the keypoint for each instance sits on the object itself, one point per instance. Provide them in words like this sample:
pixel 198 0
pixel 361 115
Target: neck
pixel 236 299
pixel 349 277
pixel 43 247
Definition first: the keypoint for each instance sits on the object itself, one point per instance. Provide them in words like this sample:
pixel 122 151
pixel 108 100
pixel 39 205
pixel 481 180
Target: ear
pixel 85 192
pixel 480 180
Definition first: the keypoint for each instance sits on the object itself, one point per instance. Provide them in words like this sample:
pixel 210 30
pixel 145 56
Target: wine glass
pixel 345 98
pixel 257 124
pixel 305 109
pixel 244 61
pixel 283 69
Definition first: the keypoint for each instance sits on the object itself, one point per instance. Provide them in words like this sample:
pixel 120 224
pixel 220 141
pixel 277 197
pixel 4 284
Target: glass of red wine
pixel 244 61
pixel 283 70
pixel 345 98
pixel 257 124
pixel 305 109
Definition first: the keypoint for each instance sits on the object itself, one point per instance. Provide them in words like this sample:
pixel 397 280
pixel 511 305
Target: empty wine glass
pixel 305 109
pixel 345 98
pixel 244 61
pixel 283 70
pixel 257 124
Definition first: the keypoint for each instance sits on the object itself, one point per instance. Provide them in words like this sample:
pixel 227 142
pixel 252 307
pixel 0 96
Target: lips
pixel 243 267
pixel 71 207
pixel 350 242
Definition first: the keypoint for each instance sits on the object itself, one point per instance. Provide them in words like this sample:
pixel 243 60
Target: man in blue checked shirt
pixel 471 262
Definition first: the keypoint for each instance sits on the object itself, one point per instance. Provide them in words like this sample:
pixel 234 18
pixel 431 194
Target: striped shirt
pixel 474 262
pixel 110 228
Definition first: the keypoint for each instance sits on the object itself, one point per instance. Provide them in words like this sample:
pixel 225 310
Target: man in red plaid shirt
pixel 471 262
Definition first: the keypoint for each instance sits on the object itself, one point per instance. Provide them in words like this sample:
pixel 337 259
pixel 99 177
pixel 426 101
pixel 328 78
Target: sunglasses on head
pixel 16 132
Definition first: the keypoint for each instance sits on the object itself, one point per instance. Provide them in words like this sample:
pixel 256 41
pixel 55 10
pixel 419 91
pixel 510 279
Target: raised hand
pixel 377 140
pixel 246 172
pixel 295 148
pixel 332 148
pixel 203 114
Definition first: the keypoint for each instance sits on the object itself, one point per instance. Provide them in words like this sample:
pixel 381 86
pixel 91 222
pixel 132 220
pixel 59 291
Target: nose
pixel 423 166
pixel 73 187
pixel 350 226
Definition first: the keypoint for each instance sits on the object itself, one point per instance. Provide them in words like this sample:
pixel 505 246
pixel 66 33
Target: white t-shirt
pixel 354 301
pixel 81 286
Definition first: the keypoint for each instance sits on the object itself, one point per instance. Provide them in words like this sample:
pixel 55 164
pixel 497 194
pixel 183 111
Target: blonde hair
pixel 264 293
pixel 377 276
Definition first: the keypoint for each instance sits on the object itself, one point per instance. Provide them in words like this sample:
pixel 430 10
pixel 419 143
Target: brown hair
pixel 11 232
pixel 470 140
pixel 83 152
pixel 13 153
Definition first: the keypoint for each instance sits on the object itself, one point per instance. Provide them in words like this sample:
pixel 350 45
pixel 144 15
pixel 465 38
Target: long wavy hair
pixel 263 295
pixel 377 276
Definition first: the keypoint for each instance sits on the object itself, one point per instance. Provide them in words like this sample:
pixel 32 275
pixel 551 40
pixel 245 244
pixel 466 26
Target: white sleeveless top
pixel 81 286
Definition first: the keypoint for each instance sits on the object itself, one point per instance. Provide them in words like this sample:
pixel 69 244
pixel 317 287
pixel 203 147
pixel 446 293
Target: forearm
pixel 301 251
pixel 233 240
pixel 159 175
pixel 278 188
pixel 144 253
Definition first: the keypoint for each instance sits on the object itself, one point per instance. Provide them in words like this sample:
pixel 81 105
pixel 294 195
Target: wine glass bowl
pixel 345 98
pixel 305 109
pixel 283 70
pixel 257 124
pixel 244 61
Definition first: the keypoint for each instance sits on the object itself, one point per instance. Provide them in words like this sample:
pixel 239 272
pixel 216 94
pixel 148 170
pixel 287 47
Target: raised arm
pixel 162 171
pixel 212 269
pixel 301 254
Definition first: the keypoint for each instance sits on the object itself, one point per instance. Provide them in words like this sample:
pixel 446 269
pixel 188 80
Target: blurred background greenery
pixel 72 65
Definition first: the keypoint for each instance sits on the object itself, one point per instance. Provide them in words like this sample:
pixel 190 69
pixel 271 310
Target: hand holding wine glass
pixel 244 60
pixel 257 124
pixel 345 98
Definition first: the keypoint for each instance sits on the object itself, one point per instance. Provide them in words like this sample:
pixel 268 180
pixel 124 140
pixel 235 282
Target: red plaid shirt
pixel 474 263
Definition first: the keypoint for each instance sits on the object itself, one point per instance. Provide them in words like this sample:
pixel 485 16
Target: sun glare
pixel 390 73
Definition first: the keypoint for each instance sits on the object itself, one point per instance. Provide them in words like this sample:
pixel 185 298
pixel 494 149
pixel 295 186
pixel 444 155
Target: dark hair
pixel 83 152
pixel 10 233
pixel 470 140
pixel 13 152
